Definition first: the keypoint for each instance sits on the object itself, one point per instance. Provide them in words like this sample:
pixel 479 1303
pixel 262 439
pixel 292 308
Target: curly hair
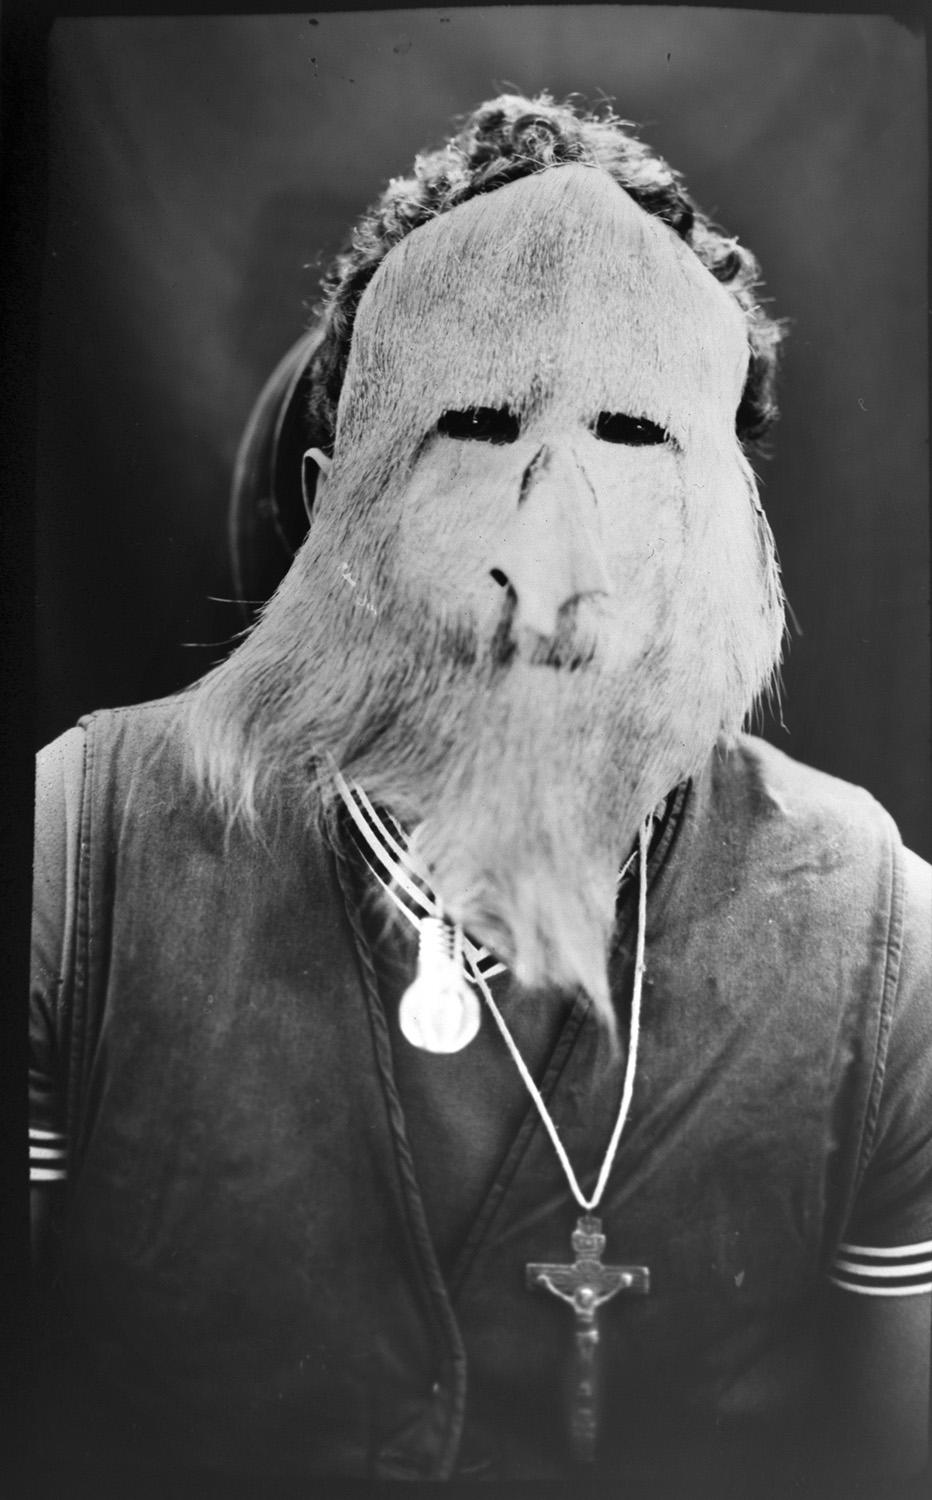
pixel 503 140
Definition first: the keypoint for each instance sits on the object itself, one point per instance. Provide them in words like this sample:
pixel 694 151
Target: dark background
pixel 202 170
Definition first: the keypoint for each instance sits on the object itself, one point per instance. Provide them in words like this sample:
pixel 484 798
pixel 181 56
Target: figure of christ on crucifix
pixel 586 1285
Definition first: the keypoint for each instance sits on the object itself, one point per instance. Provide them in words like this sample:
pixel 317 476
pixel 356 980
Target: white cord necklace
pixel 439 1013
pixel 631 1066
pixel 439 1010
pixel 586 1282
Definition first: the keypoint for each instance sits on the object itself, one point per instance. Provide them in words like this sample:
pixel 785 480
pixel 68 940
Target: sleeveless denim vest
pixel 247 1263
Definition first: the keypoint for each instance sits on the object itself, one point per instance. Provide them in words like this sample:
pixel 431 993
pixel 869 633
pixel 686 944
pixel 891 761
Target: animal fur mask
pixel 538 584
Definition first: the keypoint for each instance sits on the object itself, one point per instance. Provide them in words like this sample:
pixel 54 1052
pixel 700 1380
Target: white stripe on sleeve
pixel 884 1271
pixel 47 1155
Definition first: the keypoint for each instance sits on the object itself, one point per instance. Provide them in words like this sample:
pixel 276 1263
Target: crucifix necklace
pixel 585 1283
pixel 447 1022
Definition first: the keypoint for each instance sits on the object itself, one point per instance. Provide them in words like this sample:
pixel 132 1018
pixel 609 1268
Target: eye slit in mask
pixel 635 432
pixel 481 424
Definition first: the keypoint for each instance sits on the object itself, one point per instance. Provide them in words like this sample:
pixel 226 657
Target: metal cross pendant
pixel 585 1285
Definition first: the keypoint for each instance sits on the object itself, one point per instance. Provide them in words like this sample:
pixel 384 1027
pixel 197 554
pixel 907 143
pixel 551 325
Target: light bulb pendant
pixel 439 1012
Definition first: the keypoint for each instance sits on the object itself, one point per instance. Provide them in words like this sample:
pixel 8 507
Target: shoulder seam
pixel 888 991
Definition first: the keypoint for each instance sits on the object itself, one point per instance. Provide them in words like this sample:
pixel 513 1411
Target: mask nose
pixel 549 553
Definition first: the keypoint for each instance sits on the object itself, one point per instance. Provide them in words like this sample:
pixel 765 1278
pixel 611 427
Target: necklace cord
pixel 474 956
pixel 631 1067
pixel 380 841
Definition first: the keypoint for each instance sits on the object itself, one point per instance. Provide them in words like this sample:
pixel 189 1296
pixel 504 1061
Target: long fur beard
pixel 524 785
pixel 527 820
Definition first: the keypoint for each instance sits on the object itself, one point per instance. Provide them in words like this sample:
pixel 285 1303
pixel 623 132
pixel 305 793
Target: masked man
pixel 464 1051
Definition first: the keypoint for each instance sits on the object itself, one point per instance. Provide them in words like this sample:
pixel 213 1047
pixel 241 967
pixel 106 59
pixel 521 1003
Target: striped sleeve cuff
pixel 47 1161
pixel 901 1272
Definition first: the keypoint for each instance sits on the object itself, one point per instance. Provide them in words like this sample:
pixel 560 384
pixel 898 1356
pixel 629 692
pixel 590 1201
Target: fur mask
pixel 538 584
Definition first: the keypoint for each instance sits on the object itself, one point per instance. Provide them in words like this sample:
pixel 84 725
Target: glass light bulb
pixel 439 1012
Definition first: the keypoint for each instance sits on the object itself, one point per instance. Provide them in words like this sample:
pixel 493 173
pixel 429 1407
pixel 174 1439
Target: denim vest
pixel 247 1264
